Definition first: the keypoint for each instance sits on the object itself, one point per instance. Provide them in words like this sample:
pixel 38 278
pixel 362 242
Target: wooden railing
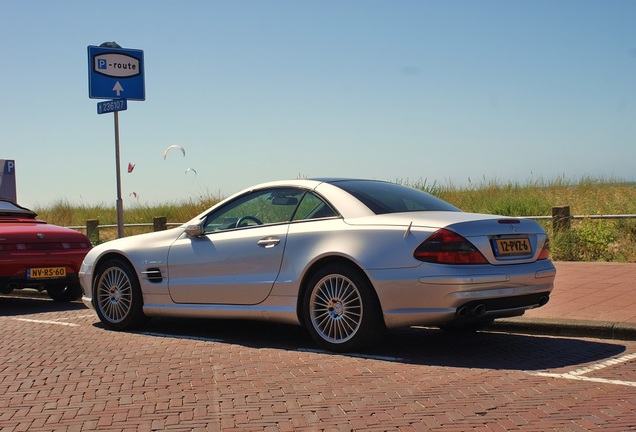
pixel 92 227
pixel 561 221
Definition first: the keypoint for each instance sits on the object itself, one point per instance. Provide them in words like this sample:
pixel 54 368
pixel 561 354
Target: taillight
pixel 545 252
pixel 447 247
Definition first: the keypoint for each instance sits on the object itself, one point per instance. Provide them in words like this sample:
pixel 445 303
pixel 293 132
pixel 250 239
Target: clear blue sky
pixel 437 91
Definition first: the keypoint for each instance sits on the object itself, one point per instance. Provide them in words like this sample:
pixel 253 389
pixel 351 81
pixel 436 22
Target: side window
pixel 312 207
pixel 256 208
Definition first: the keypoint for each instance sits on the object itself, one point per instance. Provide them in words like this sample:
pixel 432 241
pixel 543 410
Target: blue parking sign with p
pixel 7 180
pixel 115 73
pixel 9 167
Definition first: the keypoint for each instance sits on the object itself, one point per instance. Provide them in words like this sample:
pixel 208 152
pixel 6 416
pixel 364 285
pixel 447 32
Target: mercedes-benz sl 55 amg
pixel 345 258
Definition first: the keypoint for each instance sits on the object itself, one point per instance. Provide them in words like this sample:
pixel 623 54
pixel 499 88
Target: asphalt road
pixel 61 371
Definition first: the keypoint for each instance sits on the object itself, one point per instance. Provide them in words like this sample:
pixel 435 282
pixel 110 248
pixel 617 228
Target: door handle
pixel 268 242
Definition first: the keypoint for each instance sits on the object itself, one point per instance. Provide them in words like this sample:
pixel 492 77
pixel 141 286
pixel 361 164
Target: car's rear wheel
pixel 64 293
pixel 118 299
pixel 341 310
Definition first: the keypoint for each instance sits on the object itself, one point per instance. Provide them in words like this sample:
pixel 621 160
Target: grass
pixel 587 240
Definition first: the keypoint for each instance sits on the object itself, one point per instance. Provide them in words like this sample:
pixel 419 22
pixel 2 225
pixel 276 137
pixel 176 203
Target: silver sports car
pixel 344 258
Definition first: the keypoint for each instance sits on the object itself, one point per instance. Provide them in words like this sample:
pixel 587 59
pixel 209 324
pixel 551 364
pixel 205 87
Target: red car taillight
pixel 545 252
pixel 447 247
pixel 43 246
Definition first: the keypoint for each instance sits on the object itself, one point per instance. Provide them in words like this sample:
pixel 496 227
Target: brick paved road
pixel 59 370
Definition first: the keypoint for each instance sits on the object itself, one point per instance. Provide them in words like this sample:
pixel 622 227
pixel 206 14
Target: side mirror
pixel 194 230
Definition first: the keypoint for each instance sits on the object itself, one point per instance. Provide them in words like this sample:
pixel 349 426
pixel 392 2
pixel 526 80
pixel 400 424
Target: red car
pixel 34 254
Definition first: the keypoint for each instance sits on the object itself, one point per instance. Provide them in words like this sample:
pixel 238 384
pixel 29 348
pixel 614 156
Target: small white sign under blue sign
pixel 112 106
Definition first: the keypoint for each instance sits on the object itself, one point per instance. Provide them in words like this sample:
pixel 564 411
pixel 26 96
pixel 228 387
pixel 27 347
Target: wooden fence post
pixel 159 223
pixel 92 230
pixel 560 219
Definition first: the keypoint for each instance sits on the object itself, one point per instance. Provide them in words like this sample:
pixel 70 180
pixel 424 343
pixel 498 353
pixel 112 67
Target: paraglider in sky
pixel 177 146
pixel 191 169
pixel 131 167
pixel 134 195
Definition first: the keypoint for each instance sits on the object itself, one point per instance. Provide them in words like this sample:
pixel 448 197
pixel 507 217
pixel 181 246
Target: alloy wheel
pixel 336 308
pixel 114 294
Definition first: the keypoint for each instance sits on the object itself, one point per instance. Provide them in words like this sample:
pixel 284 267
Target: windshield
pixel 384 197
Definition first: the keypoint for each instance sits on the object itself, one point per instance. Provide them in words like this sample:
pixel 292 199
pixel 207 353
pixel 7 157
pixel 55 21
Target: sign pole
pixel 115 73
pixel 120 207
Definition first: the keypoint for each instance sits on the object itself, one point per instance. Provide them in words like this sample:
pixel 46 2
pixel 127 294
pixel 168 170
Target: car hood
pixel 140 242
pixel 28 232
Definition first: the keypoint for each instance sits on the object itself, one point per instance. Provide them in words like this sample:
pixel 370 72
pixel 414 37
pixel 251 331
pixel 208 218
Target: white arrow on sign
pixel 118 88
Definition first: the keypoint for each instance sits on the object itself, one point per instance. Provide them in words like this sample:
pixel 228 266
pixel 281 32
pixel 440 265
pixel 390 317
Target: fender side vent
pixel 153 275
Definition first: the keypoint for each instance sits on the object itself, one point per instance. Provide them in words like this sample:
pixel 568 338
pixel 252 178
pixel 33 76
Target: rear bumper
pixel 13 270
pixel 20 282
pixel 439 294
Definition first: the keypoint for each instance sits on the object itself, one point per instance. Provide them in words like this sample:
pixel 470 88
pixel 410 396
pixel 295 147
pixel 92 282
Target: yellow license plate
pixel 512 247
pixel 46 273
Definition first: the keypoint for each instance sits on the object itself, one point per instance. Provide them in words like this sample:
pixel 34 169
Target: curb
pixel 576 328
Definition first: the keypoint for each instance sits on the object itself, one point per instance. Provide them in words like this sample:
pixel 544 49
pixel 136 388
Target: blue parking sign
pixel 115 73
pixel 7 180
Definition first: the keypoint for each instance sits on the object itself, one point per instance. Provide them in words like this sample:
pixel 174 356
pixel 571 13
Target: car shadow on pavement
pixel 492 350
pixel 13 305
pixel 414 346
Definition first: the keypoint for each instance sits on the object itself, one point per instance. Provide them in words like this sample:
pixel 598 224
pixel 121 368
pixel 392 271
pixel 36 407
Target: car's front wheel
pixel 118 299
pixel 341 310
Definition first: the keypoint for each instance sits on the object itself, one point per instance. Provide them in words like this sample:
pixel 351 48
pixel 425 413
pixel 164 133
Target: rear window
pixel 8 208
pixel 384 197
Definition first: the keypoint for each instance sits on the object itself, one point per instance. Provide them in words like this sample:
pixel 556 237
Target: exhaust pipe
pixel 463 311
pixel 543 300
pixel 475 311
pixel 479 310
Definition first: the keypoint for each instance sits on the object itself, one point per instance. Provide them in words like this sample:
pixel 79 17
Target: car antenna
pixel 408 230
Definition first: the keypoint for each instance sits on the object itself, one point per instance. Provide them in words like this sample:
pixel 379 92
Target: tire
pixel 5 289
pixel 117 296
pixel 341 310
pixel 67 293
